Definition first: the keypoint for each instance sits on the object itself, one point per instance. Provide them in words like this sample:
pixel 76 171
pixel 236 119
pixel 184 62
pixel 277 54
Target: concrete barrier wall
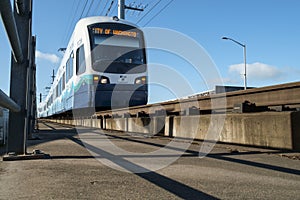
pixel 145 125
pixel 277 130
pixel 266 129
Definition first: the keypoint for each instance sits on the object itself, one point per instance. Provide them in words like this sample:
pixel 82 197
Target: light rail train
pixel 104 66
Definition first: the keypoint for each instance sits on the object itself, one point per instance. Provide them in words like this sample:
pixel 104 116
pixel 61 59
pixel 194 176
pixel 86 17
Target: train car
pixel 104 66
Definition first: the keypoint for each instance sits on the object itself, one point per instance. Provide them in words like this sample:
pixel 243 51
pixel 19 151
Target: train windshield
pixel 117 48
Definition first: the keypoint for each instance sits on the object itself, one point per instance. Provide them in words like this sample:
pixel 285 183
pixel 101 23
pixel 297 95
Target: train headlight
pixel 141 80
pixel 104 80
pixel 100 79
pixel 96 78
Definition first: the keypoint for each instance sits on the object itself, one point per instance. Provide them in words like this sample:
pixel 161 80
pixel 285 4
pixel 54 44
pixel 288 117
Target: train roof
pixel 100 19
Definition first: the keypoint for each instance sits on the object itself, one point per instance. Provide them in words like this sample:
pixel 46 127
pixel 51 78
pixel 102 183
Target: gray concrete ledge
pixel 266 129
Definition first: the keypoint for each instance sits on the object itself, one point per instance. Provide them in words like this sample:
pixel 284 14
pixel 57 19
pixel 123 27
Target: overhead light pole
pixel 245 63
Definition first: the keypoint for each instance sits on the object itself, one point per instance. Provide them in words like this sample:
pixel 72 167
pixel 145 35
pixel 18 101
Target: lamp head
pixel 225 38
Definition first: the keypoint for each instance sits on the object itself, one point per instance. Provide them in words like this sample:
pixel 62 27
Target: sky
pixel 269 29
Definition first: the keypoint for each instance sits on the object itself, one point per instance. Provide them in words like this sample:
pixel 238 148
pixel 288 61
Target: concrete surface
pixel 228 172
pixel 265 129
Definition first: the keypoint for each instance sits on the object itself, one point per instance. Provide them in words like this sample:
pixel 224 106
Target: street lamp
pixel 245 70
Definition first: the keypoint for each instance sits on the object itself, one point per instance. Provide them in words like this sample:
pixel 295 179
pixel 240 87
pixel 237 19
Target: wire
pixel 70 24
pixel 86 2
pixel 148 12
pixel 98 5
pixel 111 4
pixel 63 36
pixel 89 8
pixel 104 7
pixel 115 8
pixel 74 18
pixel 159 12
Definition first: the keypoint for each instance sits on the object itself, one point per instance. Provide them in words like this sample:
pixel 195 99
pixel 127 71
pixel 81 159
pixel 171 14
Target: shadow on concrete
pixel 179 189
pixel 53 128
pixel 74 157
pixel 221 156
pixel 47 134
pixel 55 134
pixel 69 132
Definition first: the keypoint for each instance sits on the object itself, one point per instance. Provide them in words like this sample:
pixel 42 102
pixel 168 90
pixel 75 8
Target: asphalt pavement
pixel 95 164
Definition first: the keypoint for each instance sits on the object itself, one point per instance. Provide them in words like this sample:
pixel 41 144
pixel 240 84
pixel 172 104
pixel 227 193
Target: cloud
pixel 48 57
pixel 257 71
pixel 222 81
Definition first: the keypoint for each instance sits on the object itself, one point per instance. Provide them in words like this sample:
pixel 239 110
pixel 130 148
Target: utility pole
pixel 18 82
pixel 53 76
pixel 122 7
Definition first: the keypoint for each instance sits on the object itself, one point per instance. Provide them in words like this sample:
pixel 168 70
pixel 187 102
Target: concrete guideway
pixel 264 129
pixel 228 172
pixel 276 95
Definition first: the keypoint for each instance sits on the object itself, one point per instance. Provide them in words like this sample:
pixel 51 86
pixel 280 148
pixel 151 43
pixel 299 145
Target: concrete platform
pixel 77 171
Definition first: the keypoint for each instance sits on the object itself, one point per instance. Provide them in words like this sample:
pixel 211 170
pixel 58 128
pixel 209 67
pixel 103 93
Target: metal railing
pixel 11 29
pixel 13 36
pixel 8 103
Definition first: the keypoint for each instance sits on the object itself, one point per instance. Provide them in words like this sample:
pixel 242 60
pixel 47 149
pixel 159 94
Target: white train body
pixel 104 66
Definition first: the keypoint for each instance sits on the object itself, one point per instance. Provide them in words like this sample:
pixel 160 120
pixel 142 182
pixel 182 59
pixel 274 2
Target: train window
pixel 59 88
pixel 69 67
pixel 63 82
pixel 113 59
pixel 80 60
pixel 117 48
pixel 56 92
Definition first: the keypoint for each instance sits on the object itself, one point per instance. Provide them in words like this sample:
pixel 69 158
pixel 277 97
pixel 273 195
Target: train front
pixel 119 58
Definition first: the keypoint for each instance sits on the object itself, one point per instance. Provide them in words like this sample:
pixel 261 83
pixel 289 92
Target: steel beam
pixel 31 88
pixel 20 7
pixel 19 85
pixel 11 30
pixel 8 103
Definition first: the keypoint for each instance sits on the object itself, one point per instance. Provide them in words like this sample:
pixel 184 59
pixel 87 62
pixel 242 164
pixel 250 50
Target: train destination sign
pixel 107 31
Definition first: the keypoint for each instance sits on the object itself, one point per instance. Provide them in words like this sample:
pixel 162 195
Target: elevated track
pixel 219 116
pixel 257 99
